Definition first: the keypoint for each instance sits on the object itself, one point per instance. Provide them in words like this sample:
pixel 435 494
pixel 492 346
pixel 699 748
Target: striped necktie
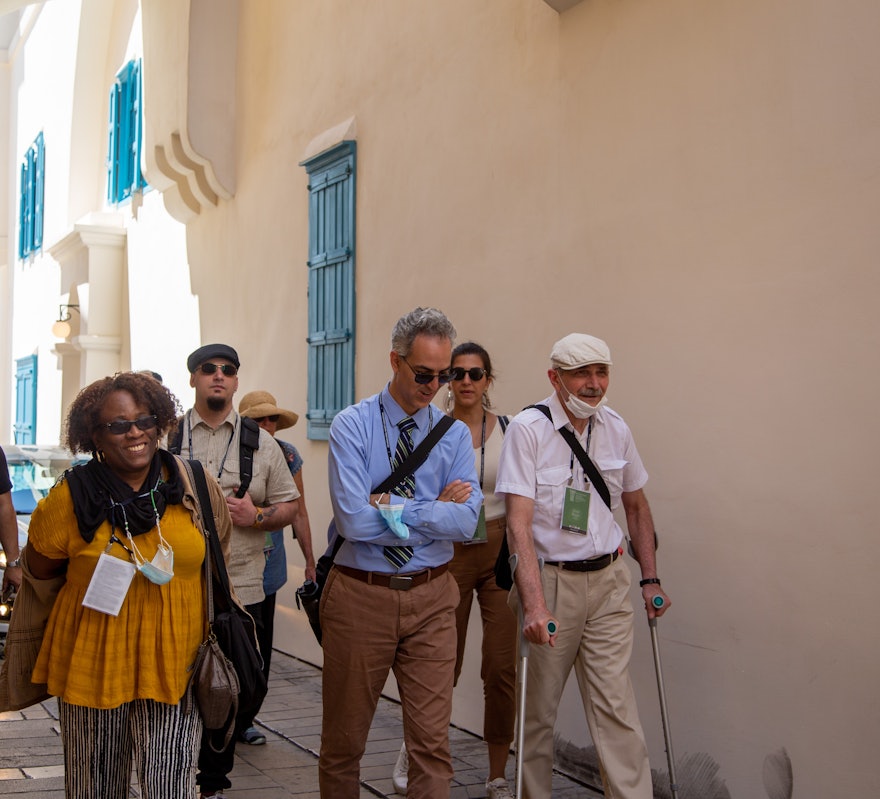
pixel 400 556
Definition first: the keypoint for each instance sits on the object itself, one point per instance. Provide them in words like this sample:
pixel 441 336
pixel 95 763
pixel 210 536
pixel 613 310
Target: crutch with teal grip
pixel 523 675
pixel 657 602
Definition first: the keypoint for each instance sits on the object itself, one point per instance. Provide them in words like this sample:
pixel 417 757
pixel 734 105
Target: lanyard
pixel 382 415
pixel 483 450
pixel 228 443
pixel 571 457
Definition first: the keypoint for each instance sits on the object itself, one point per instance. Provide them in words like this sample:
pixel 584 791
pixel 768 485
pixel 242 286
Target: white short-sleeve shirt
pixel 536 462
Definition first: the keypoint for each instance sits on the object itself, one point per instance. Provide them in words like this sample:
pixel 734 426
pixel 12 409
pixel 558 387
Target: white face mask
pixel 578 407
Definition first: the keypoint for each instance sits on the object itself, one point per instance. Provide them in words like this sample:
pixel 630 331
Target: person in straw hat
pixel 263 409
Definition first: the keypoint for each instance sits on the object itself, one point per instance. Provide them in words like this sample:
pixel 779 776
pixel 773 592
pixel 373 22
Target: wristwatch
pixel 14 564
pixel 258 518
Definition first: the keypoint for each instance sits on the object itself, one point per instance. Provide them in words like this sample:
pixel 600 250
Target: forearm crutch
pixel 522 681
pixel 664 713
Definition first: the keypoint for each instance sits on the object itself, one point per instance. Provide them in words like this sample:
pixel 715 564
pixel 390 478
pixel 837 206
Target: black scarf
pixel 98 494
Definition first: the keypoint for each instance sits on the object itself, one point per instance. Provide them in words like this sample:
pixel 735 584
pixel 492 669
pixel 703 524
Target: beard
pixel 216 403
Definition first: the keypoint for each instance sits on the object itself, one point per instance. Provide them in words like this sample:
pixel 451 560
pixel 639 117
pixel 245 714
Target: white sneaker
pixel 401 769
pixel 498 789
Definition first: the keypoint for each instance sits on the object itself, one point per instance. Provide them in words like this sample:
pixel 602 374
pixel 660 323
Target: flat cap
pixel 202 354
pixel 579 349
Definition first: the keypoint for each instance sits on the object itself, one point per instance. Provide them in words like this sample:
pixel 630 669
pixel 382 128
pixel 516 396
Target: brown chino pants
pixel 367 631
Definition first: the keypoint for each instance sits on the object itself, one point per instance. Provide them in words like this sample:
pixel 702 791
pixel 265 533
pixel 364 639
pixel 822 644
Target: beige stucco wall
pixel 695 182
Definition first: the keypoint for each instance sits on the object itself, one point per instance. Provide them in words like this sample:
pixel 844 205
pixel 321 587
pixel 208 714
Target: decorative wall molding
pixel 190 49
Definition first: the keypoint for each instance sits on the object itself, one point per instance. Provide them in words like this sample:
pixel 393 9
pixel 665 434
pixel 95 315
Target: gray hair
pixel 421 321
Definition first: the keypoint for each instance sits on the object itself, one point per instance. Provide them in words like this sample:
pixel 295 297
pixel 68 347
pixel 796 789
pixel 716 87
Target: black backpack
pixel 248 441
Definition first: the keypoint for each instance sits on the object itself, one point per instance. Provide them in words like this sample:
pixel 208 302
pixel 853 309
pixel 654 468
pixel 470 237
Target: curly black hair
pixel 84 414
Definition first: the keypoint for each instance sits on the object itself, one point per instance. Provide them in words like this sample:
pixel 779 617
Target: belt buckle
pixel 400 583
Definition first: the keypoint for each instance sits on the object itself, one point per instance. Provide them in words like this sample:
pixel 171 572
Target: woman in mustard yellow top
pixel 129 619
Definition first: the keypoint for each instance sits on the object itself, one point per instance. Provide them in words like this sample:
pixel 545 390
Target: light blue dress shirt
pixel 359 461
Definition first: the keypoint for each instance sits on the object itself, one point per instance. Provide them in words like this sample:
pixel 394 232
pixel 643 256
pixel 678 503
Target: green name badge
pixel 480 536
pixel 576 510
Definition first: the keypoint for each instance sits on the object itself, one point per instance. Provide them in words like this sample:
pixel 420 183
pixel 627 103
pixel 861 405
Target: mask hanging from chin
pixel 577 407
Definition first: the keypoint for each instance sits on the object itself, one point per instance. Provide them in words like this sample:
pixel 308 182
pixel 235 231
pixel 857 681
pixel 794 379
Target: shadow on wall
pixel 697 774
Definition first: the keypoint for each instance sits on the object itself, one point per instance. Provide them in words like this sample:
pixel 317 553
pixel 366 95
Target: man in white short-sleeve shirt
pixel 554 513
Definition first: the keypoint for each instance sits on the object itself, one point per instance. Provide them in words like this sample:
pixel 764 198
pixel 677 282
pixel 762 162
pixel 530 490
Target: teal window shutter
pixel 39 190
pixel 126 134
pixel 30 214
pixel 331 286
pixel 26 400
pixel 23 247
pixel 138 83
pixel 113 150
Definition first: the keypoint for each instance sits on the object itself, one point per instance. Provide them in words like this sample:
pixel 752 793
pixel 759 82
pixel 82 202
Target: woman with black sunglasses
pixel 473 568
pixel 118 534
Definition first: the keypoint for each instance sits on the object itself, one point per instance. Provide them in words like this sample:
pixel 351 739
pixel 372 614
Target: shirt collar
pixel 396 414
pixel 196 420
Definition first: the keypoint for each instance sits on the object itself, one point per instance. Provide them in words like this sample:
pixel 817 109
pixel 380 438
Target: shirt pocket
pixel 550 486
pixel 612 472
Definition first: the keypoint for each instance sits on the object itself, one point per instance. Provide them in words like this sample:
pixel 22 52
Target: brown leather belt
pixel 399 582
pixel 591 565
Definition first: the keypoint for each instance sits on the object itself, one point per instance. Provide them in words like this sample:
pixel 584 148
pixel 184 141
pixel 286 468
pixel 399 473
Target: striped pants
pixel 100 747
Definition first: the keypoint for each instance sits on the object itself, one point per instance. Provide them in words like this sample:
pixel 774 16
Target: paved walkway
pixel 285 768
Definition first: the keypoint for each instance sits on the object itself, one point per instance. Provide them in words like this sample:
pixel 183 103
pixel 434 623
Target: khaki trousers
pixel 367 631
pixel 595 637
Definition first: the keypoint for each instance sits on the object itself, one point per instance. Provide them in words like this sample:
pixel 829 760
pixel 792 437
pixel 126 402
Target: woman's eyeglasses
pixel 120 427
pixel 426 378
pixel 474 373
pixel 274 418
pixel 228 369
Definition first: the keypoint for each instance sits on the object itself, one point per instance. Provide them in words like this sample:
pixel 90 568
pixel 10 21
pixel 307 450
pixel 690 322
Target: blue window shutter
pixel 139 182
pixel 30 208
pixel 26 400
pixel 29 203
pixel 39 190
pixel 124 138
pixel 331 303
pixel 112 157
pixel 22 213
pixel 126 134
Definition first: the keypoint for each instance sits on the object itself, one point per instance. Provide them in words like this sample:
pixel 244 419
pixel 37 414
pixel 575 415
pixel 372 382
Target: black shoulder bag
pixel 232 626
pixel 503 577
pixel 308 596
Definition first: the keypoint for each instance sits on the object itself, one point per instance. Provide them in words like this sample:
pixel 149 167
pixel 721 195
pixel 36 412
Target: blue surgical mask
pixel 161 569
pixel 392 516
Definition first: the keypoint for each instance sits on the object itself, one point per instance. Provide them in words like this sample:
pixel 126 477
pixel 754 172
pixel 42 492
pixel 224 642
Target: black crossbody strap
pixel 417 458
pixel 200 483
pixel 588 466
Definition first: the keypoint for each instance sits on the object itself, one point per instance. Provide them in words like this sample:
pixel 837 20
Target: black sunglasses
pixel 274 418
pixel 426 378
pixel 228 369
pixel 474 373
pixel 120 427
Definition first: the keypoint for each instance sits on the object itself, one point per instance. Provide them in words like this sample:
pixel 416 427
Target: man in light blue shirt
pixel 389 602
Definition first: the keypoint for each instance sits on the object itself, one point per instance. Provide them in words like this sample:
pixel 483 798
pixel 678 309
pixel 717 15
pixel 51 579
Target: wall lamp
pixel 61 328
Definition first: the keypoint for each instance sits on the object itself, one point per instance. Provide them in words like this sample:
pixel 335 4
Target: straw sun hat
pixel 256 404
